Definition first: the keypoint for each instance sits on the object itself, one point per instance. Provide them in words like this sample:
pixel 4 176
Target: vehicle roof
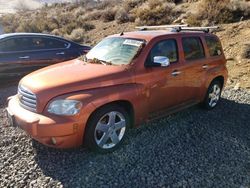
pixel 150 34
pixel 27 34
pixel 33 34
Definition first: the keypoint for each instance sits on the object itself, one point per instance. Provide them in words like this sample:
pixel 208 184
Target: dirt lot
pixel 193 148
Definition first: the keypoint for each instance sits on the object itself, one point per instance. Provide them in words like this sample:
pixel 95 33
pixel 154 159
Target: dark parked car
pixel 22 53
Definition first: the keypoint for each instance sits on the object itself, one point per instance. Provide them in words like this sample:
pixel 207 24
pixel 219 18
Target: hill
pixel 88 21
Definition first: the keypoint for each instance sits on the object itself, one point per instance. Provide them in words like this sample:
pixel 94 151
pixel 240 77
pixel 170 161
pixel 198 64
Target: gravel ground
pixel 192 148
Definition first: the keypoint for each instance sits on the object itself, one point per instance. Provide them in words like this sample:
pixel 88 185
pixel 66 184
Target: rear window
pixel 214 46
pixel 193 48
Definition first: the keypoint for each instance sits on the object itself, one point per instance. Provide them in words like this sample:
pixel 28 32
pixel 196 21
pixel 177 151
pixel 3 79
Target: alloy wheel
pixel 110 130
pixel 214 95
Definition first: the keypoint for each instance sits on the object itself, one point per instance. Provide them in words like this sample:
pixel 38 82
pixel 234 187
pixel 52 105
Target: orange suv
pixel 124 80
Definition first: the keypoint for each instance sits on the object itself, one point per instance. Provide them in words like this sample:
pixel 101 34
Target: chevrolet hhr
pixel 124 80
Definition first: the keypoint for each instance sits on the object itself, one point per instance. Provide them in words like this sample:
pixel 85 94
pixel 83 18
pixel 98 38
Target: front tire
pixel 213 95
pixel 106 129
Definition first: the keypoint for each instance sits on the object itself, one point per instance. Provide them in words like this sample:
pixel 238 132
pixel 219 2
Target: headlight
pixel 65 107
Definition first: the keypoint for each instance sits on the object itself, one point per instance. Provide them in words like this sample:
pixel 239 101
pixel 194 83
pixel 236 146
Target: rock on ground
pixel 192 148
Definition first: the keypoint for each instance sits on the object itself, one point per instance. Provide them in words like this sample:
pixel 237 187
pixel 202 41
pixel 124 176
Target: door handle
pixel 24 57
pixel 205 66
pixel 176 73
pixel 60 53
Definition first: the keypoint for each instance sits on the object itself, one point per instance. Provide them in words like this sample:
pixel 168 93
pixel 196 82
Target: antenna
pixel 123 29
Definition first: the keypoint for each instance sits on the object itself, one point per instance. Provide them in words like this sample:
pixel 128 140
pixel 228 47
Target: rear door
pixel 14 57
pixel 48 50
pixel 215 53
pixel 194 59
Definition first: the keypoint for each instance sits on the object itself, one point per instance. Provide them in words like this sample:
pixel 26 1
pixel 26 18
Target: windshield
pixel 115 50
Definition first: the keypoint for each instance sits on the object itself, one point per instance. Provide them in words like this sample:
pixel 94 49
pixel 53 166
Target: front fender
pixel 126 92
pixel 95 98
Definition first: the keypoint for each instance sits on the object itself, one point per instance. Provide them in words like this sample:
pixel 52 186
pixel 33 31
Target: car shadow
pixel 194 148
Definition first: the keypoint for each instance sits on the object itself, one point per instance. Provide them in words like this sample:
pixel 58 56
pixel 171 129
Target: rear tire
pixel 213 95
pixel 106 129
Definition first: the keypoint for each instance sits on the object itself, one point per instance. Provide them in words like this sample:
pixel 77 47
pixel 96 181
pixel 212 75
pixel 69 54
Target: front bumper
pixel 55 131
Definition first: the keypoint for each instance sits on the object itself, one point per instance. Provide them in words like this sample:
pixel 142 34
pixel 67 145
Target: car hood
pixel 71 76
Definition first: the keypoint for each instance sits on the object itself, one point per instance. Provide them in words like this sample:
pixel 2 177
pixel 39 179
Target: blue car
pixel 22 53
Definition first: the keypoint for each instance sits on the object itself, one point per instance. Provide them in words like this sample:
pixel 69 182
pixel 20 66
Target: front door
pixel 166 83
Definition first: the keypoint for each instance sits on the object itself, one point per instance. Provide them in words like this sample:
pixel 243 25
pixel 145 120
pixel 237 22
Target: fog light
pixel 53 140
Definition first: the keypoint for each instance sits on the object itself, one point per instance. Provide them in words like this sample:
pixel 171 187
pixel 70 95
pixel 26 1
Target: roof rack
pixel 203 29
pixel 178 28
pixel 159 27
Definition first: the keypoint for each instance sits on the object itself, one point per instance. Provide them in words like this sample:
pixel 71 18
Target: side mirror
pixel 162 60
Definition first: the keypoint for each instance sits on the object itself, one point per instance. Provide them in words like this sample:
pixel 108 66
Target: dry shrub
pixel 122 16
pixel 65 18
pixel 107 4
pixel 131 4
pixel 108 14
pixel 94 15
pixel 57 32
pixel 223 11
pixel 76 35
pixel 246 51
pixel 79 12
pixel 240 8
pixel 155 12
pixel 88 26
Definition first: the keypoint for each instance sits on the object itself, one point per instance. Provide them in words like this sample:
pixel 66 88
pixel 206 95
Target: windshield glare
pixel 115 50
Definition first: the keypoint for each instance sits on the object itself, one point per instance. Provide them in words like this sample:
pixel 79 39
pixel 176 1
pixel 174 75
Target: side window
pixel 9 45
pixel 214 46
pixel 54 43
pixel 38 43
pixel 16 44
pixel 193 48
pixel 1 46
pixel 167 48
pixel 41 43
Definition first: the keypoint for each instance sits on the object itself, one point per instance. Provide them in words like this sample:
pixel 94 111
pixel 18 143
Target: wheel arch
pixel 220 79
pixel 125 104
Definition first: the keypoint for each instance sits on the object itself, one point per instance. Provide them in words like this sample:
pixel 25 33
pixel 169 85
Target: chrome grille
pixel 26 98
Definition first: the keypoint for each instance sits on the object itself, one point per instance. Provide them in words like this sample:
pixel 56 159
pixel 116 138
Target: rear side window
pixel 193 48
pixel 214 46
pixel 167 48
pixel 54 43
pixel 38 43
pixel 41 43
